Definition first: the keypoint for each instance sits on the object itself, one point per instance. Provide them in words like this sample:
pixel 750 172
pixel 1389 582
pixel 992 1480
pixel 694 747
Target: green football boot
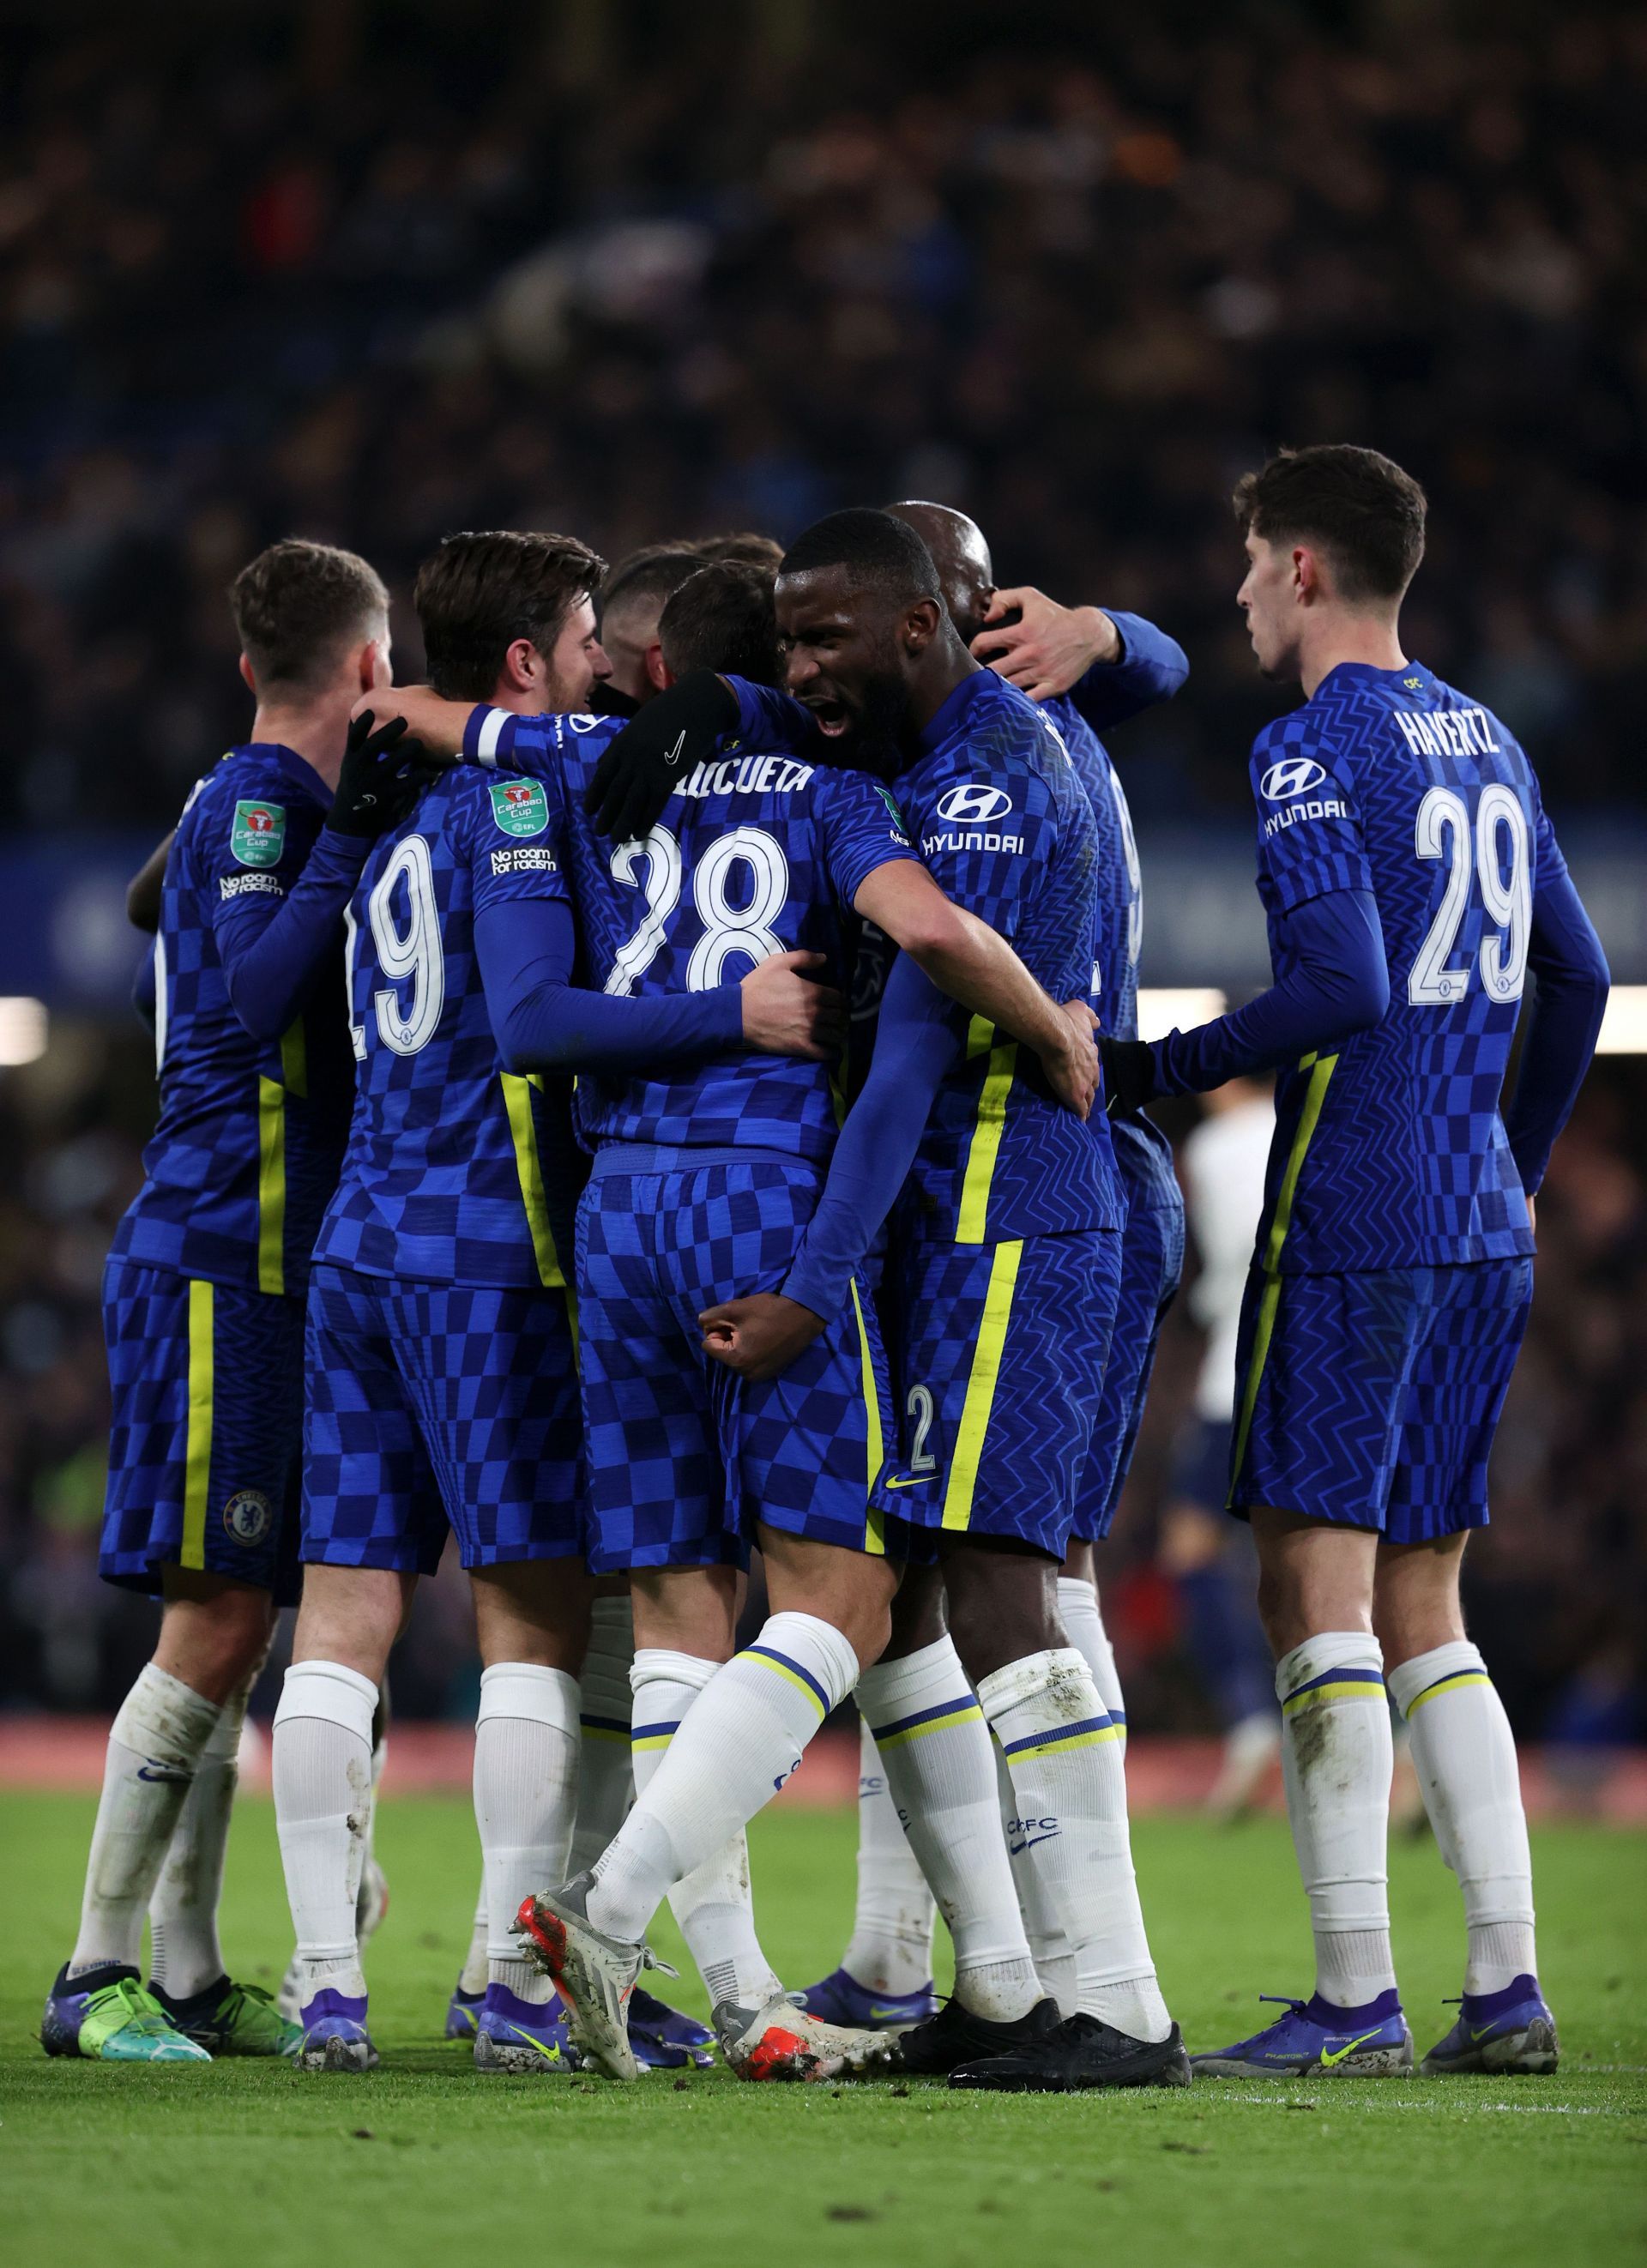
pixel 231 2020
pixel 107 2017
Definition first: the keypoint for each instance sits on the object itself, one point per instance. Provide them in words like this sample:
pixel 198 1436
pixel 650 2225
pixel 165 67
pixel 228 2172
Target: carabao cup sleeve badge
pixel 259 834
pixel 520 807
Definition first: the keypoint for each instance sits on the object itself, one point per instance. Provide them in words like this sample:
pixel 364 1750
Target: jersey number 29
pixel 1442 831
pixel 414 951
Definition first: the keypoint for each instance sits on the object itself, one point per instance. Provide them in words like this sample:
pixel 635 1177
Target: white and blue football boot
pixel 1508 2031
pixel 667 2039
pixel 1315 2039
pixel 335 2034
pixel 463 2013
pixel 523 2035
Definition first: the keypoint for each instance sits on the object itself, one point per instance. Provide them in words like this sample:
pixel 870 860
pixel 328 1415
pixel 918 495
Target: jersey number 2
pixel 1442 831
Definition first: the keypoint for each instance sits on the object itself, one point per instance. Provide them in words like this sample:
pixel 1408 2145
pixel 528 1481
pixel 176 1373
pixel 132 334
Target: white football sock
pixel 738 1744
pixel 526 1786
pixel 1336 1756
pixel 605 1783
pixel 712 1905
pixel 1050 1948
pixel 154 1746
pixel 1064 1757
pixel 472 1976
pixel 322 1774
pixel 935 1747
pixel 184 1953
pixel 1082 1619
pixel 890 1949
pixel 1465 1754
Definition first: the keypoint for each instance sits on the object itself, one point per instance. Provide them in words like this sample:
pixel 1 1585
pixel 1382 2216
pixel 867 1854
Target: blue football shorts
pixel 1151 1263
pixel 1370 1400
pixel 685 1458
pixel 206 1383
pixel 999 1356
pixel 438 1406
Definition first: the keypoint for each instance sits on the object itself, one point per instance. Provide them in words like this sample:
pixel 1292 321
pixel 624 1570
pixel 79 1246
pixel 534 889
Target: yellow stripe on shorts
pixel 981 1384
pixel 529 1167
pixel 874 1524
pixel 970 1227
pixel 271 1186
pixel 197 1455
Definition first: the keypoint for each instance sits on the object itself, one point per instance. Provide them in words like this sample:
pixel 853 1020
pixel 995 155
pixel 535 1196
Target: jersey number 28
pixel 727 929
pixel 1442 831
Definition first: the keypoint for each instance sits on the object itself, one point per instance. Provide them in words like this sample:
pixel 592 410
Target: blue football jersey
pixel 1390 1153
pixel 250 1132
pixel 757 853
pixel 450 1175
pixel 1142 1152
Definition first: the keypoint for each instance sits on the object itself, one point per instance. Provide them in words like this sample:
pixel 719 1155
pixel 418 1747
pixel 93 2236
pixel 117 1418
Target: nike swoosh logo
pixel 1015 1850
pixel 884 2016
pixel 1479 2032
pixel 549 2054
pixel 1329 2057
pixel 168 1775
pixel 920 1481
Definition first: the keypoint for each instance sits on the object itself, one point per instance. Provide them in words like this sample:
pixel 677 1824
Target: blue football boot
pixel 463 2012
pixel 1511 2030
pixel 667 2039
pixel 1315 2039
pixel 839 1998
pixel 105 2015
pixel 335 2034
pixel 523 2035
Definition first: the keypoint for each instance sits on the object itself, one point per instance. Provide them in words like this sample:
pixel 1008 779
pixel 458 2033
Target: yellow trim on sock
pixel 1448 1685
pixel 981 1384
pixel 963 1715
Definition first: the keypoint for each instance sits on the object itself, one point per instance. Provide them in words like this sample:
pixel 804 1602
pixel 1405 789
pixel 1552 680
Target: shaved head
pixel 965 572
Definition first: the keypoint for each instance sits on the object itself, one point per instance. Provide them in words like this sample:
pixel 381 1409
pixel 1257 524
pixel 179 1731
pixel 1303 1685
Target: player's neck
pixel 1338 636
pixel 317 731
pixel 945 664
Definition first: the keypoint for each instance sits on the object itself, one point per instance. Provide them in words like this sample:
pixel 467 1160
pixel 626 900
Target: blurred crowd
pixel 369 272
pixel 1556 1588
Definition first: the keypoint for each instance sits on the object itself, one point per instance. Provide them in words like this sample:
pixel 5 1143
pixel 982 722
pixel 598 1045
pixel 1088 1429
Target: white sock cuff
pixel 1030 1679
pixel 1075 1591
pixel 164 1719
pixel 1315 1663
pixel 894 1692
pixel 223 1741
pixel 1443 1668
pixel 331 1692
pixel 661 1665
pixel 806 1645
pixel 528 1690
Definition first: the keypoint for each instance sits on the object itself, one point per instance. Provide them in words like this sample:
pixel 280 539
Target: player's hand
pixel 1129 1075
pixel 383 774
pixel 437 723
pixel 759 1336
pixel 1034 643
pixel 643 766
pixel 1071 1067
pixel 786 1013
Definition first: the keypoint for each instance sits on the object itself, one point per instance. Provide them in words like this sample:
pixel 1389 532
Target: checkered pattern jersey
pixel 449 1176
pixel 1143 1152
pixel 251 1133
pixel 756 853
pixel 1371 1398
pixel 1390 1153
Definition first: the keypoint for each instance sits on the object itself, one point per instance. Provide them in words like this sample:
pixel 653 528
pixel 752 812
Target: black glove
pixel 1129 1075
pixel 383 775
pixel 644 765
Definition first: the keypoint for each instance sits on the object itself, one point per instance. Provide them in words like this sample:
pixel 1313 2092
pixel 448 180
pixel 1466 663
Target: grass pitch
pixel 422 2161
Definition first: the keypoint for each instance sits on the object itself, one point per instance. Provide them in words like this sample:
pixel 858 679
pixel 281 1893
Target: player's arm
pixel 916 1045
pixel 275 926
pixel 146 887
pixel 543 1021
pixel 1570 982
pixel 1112 663
pixel 1334 981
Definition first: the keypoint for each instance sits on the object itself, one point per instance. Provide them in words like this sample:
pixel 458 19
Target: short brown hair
pixel 1364 511
pixel 298 606
pixel 481 590
pixel 740 546
pixel 723 618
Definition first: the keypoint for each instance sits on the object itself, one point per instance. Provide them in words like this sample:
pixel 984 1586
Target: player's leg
pixel 1463 1748
pixel 1212 1563
pixel 197 1468
pixel 1329 1358
pixel 886 1973
pixel 605 1785
pixel 372 1522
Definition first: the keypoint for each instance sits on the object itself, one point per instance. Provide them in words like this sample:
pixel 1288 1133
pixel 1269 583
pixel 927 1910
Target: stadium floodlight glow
pixel 1624 1026
pixel 23 1028
pixel 1165 1008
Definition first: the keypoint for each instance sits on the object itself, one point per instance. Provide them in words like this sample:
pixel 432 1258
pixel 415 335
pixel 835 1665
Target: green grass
pixel 422 2162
